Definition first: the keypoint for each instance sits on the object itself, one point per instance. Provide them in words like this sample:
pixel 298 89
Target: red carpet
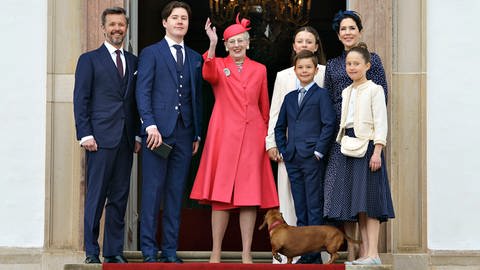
pixel 219 266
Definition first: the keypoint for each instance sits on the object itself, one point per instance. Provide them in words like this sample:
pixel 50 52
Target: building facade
pixel 428 50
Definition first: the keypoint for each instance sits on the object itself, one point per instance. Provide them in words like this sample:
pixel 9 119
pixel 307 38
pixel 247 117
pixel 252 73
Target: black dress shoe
pixel 150 259
pixel 305 259
pixel 316 259
pixel 92 259
pixel 170 259
pixel 115 259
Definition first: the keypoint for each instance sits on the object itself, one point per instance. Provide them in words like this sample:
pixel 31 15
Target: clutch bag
pixel 163 150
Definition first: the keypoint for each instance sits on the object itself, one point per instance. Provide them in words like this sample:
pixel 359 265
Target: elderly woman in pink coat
pixel 234 170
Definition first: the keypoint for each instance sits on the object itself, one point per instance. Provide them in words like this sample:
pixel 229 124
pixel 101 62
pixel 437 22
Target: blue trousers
pixel 164 184
pixel 306 179
pixel 108 180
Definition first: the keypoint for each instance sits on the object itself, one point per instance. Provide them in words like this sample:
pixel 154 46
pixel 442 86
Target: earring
pixel 226 49
pixel 248 47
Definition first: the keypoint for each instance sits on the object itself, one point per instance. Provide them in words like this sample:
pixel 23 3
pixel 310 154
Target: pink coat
pixel 234 167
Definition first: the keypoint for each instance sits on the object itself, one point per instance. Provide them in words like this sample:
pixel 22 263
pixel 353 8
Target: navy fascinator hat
pixel 337 19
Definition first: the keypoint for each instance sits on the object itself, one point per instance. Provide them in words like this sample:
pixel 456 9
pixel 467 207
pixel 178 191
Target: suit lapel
pixel 106 61
pixel 294 103
pixel 168 57
pixel 191 68
pixel 129 72
pixel 306 97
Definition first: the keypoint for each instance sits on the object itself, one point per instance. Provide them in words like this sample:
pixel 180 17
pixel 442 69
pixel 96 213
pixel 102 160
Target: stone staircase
pixel 227 257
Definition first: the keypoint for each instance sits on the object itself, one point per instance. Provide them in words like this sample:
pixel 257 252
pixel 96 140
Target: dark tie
pixel 119 63
pixel 179 57
pixel 301 95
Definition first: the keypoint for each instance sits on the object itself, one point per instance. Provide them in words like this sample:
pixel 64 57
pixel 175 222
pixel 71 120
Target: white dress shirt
pixel 170 43
pixel 113 54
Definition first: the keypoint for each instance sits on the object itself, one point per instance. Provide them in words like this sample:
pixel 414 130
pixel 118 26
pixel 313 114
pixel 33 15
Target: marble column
pixel 74 27
pixel 396 31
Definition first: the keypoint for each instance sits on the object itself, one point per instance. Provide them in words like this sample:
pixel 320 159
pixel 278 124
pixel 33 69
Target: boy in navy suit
pixel 169 86
pixel 308 116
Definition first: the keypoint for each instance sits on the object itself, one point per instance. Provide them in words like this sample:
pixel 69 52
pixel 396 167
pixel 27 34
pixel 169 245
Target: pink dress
pixel 234 169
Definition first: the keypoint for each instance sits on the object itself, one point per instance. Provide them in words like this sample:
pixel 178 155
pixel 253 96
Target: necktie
pixel 301 95
pixel 119 63
pixel 179 57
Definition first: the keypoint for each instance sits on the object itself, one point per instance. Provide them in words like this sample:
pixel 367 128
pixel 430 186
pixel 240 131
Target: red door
pixel 196 233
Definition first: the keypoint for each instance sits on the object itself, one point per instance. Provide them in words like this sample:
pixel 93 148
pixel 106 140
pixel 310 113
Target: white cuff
pixel 150 127
pixel 86 138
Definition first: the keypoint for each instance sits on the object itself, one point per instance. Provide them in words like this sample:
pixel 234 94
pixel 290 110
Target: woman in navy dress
pixel 348 26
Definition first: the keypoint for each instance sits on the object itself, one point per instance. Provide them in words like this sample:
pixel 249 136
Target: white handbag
pixel 353 147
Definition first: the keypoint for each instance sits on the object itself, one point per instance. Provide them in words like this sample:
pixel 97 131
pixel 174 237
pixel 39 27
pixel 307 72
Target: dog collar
pixel 274 224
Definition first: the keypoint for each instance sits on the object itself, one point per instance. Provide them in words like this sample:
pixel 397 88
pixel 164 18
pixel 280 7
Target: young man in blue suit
pixel 168 97
pixel 308 117
pixel 106 119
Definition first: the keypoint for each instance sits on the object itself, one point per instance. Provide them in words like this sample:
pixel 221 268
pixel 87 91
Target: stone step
pixel 227 257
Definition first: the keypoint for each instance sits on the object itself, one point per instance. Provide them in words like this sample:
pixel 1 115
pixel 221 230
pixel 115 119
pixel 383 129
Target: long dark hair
pixel 319 53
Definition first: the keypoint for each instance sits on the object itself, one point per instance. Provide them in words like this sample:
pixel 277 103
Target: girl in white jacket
pixel 367 198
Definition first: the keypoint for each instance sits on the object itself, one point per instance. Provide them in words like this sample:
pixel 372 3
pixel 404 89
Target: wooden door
pixel 146 28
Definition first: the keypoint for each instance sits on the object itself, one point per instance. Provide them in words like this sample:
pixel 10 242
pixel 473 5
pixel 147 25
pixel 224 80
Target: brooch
pixel 226 71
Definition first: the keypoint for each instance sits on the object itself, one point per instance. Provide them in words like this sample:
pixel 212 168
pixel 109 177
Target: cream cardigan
pixel 370 116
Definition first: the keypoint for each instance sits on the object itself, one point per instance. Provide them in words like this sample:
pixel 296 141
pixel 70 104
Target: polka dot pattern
pixel 350 187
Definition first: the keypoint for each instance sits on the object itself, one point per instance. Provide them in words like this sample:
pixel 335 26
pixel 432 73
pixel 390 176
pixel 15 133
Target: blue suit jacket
pixel 156 88
pixel 102 104
pixel 310 126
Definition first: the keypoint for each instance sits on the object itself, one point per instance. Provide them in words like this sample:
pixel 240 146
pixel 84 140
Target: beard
pixel 116 40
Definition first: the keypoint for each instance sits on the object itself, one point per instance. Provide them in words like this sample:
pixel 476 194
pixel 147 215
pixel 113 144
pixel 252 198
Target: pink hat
pixel 235 29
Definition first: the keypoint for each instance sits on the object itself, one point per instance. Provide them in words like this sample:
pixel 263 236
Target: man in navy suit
pixel 308 116
pixel 168 97
pixel 106 119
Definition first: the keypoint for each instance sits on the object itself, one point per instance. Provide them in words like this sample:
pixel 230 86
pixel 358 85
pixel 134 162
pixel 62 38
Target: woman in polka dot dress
pixel 339 195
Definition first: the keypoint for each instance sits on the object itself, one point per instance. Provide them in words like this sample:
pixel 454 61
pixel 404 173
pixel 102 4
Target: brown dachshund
pixel 293 241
